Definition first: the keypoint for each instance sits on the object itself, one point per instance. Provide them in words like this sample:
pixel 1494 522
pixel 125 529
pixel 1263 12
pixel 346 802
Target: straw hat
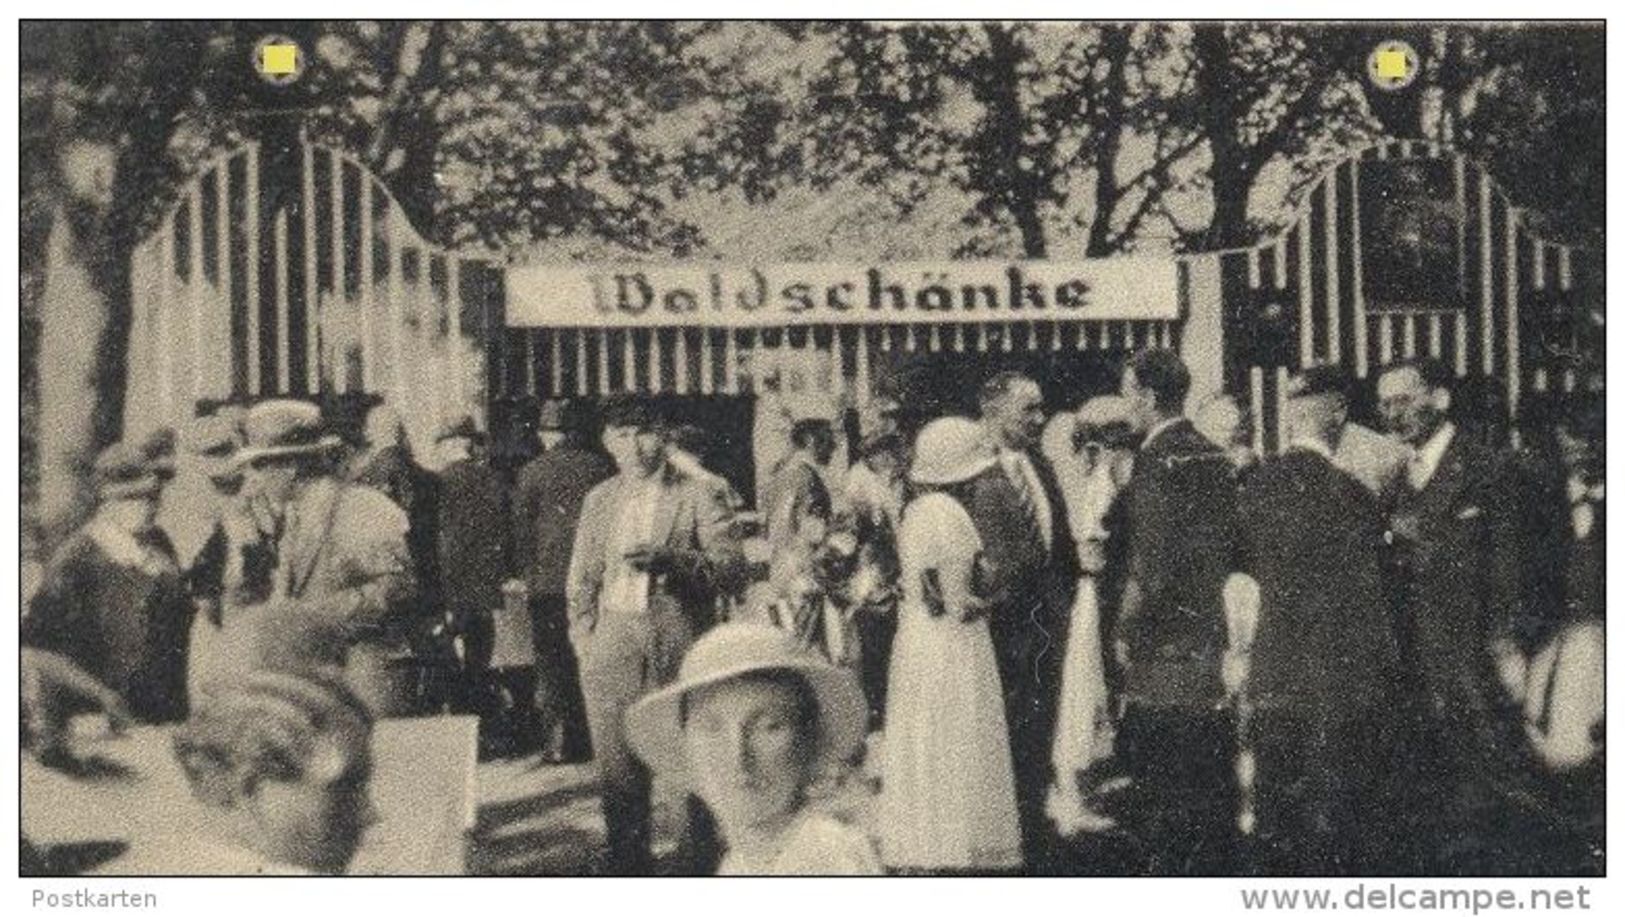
pixel 213 441
pixel 950 450
pixel 654 725
pixel 284 427
pixel 123 471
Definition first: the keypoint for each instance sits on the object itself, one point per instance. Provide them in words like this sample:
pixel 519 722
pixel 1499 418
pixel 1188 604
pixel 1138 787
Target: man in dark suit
pixel 471 552
pixel 1175 741
pixel 1019 513
pixel 546 508
pixel 1458 561
pixel 1323 664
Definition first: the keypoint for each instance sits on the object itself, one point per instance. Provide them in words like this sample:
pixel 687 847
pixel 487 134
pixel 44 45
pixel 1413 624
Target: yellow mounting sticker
pixel 1393 65
pixel 278 60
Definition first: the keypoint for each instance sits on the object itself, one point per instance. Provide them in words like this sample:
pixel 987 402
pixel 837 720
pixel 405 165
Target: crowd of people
pixel 1043 636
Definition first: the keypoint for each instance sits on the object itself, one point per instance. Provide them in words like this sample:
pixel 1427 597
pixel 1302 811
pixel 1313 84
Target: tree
pixel 1264 93
pixel 1051 131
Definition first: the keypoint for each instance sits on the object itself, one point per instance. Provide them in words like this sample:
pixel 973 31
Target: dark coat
pixel 1034 584
pixel 128 627
pixel 1182 537
pixel 472 534
pixel 1311 537
pixel 546 509
pixel 1459 554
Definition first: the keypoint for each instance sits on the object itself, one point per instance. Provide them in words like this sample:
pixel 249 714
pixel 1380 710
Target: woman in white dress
pixel 948 801
pixel 1091 453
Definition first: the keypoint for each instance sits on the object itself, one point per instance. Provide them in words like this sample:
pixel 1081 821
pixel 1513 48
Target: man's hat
pixel 213 441
pixel 1326 379
pixel 123 471
pixel 158 448
pixel 1107 420
pixel 876 443
pixel 626 411
pixel 284 427
pixel 462 427
pixel 551 415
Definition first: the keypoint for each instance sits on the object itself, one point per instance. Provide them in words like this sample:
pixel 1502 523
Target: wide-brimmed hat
pixel 654 726
pixel 123 471
pixel 283 427
pixel 212 442
pixel 950 450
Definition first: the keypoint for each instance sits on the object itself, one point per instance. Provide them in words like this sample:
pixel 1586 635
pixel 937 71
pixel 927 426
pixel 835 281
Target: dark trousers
pixel 1457 815
pixel 875 634
pixel 561 711
pixel 1184 804
pixel 1323 789
pixel 1031 690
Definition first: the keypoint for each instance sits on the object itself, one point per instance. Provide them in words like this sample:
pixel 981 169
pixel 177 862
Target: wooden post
pixel 280 279
pixel 196 287
pixel 1306 298
pixel 1334 337
pixel 220 343
pixel 364 289
pixel 251 261
pixel 307 207
pixel 341 344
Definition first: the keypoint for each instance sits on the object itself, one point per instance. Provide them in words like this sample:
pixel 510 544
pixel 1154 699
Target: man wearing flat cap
pixel 643 582
pixel 471 535
pixel 112 600
pixel 1320 654
pixel 546 508
pixel 335 548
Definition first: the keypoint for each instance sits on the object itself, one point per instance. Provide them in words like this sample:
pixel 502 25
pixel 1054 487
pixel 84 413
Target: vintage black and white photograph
pixel 737 447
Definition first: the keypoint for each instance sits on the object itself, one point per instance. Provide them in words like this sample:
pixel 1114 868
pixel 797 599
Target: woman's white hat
pixel 950 450
pixel 654 726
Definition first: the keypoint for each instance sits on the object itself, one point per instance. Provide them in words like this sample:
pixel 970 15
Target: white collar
pixel 1159 427
pixel 1425 460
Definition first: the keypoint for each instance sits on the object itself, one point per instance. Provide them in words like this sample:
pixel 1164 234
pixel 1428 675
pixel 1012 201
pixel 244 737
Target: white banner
pixel 646 296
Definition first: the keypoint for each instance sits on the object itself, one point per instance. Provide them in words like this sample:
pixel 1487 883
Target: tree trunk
pixel 1013 184
pixel 1108 136
pixel 1231 172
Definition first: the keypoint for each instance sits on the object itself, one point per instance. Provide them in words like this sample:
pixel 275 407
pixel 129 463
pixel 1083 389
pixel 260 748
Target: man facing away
pixel 1324 661
pixel 1458 560
pixel 546 508
pixel 642 583
pixel 1018 511
pixel 1181 518
pixel 472 547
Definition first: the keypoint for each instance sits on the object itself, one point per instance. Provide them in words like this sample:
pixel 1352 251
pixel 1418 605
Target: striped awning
pixel 561 362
